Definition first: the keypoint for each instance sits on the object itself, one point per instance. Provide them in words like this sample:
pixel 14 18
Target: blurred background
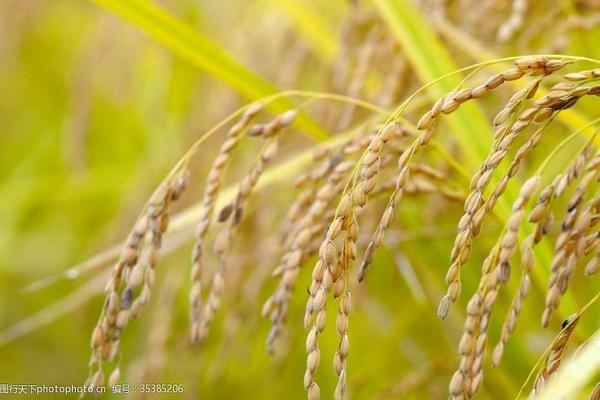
pixel 96 107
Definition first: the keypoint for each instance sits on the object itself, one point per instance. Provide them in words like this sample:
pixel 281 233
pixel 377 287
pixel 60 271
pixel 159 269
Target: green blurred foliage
pixel 94 114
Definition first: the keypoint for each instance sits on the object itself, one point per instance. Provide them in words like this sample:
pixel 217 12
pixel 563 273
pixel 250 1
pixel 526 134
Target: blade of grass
pixel 430 60
pixel 311 25
pixel 576 372
pixel 204 54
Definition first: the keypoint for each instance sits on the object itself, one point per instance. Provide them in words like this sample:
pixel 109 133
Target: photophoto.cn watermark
pixel 126 388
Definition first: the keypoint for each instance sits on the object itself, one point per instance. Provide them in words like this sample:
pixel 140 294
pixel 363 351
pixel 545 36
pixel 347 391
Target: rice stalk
pixel 556 355
pixel 232 214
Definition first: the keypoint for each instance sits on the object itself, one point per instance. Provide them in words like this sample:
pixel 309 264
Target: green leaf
pixel 430 61
pixel 575 373
pixel 311 25
pixel 200 51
